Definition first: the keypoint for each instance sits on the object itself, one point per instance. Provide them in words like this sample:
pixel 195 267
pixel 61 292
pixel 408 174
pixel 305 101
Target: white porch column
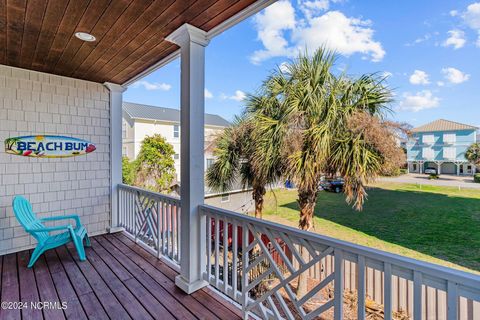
pixel 116 92
pixel 192 42
pixel 439 167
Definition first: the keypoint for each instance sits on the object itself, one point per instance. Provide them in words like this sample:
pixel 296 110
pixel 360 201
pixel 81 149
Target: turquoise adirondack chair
pixel 34 226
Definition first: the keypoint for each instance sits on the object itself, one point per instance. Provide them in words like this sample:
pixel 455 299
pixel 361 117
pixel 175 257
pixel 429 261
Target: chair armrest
pixel 48 229
pixel 70 216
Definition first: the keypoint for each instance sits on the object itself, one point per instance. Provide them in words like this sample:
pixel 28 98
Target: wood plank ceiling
pixel 39 34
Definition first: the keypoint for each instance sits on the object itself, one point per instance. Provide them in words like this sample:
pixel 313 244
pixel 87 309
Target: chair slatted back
pixel 27 218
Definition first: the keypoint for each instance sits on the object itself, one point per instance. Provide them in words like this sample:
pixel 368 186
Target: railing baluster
pixel 452 300
pixel 361 288
pixel 244 267
pixel 209 246
pixel 159 229
pixel 177 211
pixel 387 291
pixel 217 250
pixel 234 258
pixel 417 295
pixel 225 255
pixel 338 287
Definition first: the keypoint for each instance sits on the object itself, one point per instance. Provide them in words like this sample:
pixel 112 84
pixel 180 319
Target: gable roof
pixel 443 125
pixel 147 112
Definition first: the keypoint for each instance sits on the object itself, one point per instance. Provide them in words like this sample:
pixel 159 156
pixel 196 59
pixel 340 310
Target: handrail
pixel 279 258
pixel 149 193
pixel 425 267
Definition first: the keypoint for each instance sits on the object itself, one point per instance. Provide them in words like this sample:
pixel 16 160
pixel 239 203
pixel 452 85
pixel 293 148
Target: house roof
pixel 443 125
pixel 147 112
pixel 130 35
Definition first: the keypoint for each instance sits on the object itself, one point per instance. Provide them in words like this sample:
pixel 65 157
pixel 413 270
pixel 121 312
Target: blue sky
pixel 429 49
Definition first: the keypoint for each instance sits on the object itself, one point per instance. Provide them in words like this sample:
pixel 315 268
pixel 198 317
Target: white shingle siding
pixel 37 103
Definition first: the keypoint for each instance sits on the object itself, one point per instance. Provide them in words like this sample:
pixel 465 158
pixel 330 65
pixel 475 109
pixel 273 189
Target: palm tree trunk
pixel 307 199
pixel 258 197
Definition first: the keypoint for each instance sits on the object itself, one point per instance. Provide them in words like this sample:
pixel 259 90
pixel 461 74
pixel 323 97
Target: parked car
pixel 334 185
pixel 430 170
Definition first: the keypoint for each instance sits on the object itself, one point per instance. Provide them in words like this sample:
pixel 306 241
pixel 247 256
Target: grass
pixel 430 223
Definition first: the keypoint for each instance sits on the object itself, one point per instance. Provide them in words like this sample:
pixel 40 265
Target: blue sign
pixel 48 146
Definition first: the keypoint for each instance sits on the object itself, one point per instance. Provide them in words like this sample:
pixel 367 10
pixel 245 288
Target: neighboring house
pixel 141 120
pixel 441 144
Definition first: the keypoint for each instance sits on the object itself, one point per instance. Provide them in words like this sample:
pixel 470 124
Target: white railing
pixel 257 263
pixel 152 219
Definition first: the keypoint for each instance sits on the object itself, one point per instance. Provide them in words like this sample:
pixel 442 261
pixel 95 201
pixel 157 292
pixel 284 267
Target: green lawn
pixel 435 224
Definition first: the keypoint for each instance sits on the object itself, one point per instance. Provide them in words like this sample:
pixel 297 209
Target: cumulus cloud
pixel 472 16
pixel 208 94
pixel 282 34
pixel 238 96
pixel 455 76
pixel 456 39
pixel 151 86
pixel 419 101
pixel 419 77
pixel 453 13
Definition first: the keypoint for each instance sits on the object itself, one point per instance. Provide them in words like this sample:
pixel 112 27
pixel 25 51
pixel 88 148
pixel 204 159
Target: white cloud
pixel 419 40
pixel 208 94
pixel 282 34
pixel 472 16
pixel 420 101
pixel 456 39
pixel 387 74
pixel 454 75
pixel 152 85
pixel 453 13
pixel 440 83
pixel 270 26
pixel 238 96
pixel 419 77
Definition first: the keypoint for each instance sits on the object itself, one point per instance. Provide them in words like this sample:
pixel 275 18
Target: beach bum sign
pixel 48 146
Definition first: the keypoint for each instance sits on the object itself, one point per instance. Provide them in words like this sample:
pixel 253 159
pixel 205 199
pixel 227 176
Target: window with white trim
pixel 210 163
pixel 176 131
pixel 427 153
pixel 176 156
pixel 449 138
pixel 428 138
pixel 225 197
pixel 449 153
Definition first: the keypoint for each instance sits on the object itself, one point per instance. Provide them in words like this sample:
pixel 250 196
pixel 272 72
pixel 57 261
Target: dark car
pixel 334 185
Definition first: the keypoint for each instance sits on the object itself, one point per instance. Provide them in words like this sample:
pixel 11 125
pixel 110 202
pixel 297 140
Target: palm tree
pixel 324 133
pixel 235 151
pixel 473 153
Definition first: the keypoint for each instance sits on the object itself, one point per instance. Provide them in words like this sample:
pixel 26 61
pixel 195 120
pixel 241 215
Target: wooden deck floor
pixel 120 280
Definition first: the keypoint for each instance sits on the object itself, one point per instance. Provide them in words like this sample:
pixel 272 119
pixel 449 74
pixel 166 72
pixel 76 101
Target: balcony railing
pixel 152 219
pixel 257 264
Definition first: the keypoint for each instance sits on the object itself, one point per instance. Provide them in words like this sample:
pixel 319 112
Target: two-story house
pixel 441 144
pixel 141 120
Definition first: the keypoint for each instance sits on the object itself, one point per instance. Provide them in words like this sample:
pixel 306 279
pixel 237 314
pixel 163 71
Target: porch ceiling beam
pixel 192 42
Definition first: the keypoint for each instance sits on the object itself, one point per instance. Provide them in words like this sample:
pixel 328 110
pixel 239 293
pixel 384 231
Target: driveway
pixel 444 180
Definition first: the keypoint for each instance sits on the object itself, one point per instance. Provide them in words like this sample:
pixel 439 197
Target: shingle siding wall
pixel 34 103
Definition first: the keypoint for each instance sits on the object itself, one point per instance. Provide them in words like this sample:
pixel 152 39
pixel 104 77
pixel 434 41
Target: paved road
pixel 444 180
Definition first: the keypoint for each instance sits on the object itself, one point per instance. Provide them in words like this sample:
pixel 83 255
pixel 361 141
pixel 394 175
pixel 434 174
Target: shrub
pixel 403 171
pixel 433 176
pixel 476 177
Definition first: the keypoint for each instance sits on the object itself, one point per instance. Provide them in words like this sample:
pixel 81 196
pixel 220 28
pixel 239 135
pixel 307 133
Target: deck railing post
pixel 192 42
pixel 116 92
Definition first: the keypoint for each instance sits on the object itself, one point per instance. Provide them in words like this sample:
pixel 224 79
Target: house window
pixel 124 151
pixel 449 153
pixel 449 138
pixel 225 197
pixel 427 153
pixel 210 163
pixel 428 138
pixel 124 129
pixel 176 131
pixel 414 167
pixel 176 156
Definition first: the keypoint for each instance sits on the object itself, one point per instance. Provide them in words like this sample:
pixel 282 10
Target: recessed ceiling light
pixel 85 36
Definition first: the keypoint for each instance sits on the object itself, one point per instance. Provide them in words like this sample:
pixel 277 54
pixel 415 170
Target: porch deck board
pixel 119 280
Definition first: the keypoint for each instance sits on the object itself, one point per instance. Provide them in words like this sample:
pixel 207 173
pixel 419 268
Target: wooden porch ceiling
pixel 39 34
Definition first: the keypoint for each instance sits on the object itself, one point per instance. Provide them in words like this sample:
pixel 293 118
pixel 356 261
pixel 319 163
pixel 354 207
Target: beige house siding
pixel 34 103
